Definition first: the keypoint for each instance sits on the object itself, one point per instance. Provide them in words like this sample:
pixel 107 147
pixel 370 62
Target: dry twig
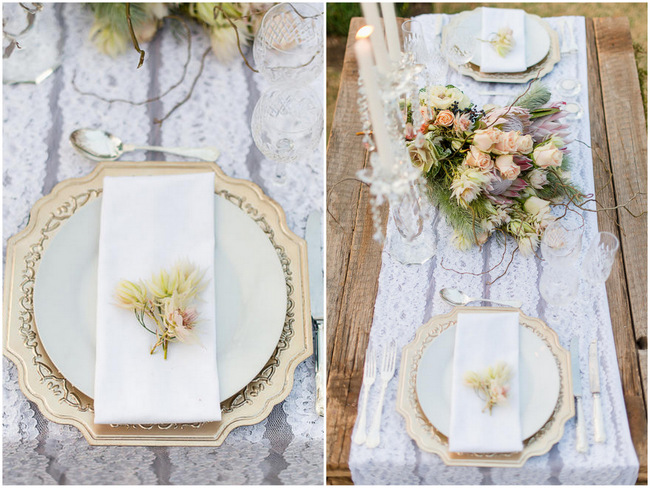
pixel 134 38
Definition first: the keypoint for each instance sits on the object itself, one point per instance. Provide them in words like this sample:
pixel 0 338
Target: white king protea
pixel 468 184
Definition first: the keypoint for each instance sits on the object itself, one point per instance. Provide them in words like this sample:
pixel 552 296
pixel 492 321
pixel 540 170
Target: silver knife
pixel 315 257
pixel 581 434
pixel 594 384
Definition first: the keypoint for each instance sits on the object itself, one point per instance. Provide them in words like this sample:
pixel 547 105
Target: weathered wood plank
pixel 620 172
pixel 353 263
pixel 627 137
pixel 344 158
pixel 340 480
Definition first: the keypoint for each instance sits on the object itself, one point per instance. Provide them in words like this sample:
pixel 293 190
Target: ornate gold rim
pixel 539 69
pixel 61 402
pixel 430 440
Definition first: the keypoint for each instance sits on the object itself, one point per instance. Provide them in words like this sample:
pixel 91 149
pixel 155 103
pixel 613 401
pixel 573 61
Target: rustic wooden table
pixel 619 145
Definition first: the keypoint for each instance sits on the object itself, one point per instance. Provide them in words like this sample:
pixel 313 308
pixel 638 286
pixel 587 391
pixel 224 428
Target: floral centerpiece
pixel 495 169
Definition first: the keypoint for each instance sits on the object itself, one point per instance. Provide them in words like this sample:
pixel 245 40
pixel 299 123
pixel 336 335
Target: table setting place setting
pixel 491 357
pixel 163 254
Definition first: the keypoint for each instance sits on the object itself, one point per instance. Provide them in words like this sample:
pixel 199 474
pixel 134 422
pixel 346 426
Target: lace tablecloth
pixel 287 447
pixel 408 297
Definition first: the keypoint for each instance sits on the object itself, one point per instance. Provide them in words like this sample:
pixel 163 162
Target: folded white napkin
pixel 492 20
pixel 149 223
pixel 482 340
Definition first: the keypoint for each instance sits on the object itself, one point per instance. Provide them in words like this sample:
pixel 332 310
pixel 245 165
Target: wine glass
pixel 288 46
pixel 559 286
pixel 459 46
pixel 415 219
pixel 561 245
pixel 562 242
pixel 413 43
pixel 286 125
pixel 30 42
pixel 599 260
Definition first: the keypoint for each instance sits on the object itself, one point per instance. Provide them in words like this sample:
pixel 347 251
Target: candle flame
pixel 364 32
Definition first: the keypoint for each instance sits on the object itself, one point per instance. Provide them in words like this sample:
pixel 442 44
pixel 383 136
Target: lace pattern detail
pixel 37 154
pixel 408 296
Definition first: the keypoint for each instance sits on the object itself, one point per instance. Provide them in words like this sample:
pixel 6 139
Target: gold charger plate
pixel 61 402
pixel 429 439
pixel 537 70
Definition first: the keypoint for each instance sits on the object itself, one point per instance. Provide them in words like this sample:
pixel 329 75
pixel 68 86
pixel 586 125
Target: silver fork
pixel 369 373
pixel 387 372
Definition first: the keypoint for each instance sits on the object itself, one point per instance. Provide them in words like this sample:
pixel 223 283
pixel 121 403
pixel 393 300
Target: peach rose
pixel 422 156
pixel 445 118
pixel 507 167
pixel 525 144
pixel 462 122
pixel 486 138
pixel 547 155
pixel 507 143
pixel 478 159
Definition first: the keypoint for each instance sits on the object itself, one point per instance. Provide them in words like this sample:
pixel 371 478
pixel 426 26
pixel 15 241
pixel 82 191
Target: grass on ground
pixel 339 15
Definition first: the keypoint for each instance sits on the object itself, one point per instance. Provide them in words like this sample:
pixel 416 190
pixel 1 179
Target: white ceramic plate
pixel 538 41
pixel 539 381
pixel 251 297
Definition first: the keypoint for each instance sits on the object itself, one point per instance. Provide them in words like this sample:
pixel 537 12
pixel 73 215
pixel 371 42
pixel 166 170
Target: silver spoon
pixel 456 297
pixel 99 145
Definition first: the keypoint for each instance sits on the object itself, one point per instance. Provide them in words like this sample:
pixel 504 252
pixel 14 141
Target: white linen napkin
pixel 492 20
pixel 149 223
pixel 483 339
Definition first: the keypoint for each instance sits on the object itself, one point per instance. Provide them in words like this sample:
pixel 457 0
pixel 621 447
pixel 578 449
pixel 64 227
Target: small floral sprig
pixel 491 385
pixel 165 303
pixel 502 42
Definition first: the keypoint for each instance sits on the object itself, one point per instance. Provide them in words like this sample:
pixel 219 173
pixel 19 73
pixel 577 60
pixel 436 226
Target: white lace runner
pixel 287 447
pixel 408 297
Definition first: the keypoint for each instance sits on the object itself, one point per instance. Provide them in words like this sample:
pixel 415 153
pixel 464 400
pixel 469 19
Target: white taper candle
pixel 371 14
pixel 390 24
pixel 363 52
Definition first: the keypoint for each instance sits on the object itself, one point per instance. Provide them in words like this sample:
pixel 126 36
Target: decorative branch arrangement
pixel 229 25
pixel 165 303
